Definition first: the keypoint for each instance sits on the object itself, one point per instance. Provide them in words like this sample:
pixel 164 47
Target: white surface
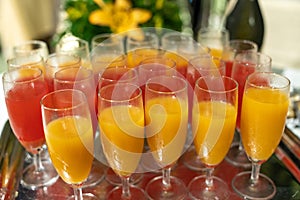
pixel 3 111
pixel 282 32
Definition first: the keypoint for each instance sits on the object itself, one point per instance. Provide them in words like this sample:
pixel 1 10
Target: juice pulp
pixel 70 145
pixel 240 73
pixel 213 126
pixel 122 137
pixel 166 128
pixel 24 111
pixel 263 120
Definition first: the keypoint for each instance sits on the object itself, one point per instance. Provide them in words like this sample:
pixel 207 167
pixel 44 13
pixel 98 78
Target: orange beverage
pixel 70 144
pixel 166 129
pixel 122 140
pixel 213 128
pixel 269 108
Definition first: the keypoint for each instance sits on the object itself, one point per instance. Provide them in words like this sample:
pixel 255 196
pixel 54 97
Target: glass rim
pixel 273 74
pixel 8 73
pixel 88 72
pixel 70 91
pixel 137 88
pixel 235 88
pixel 51 61
pixel 151 81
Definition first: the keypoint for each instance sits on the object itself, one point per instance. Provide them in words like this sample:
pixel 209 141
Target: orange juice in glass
pixel 215 120
pixel 167 143
pixel 166 114
pixel 264 111
pixel 116 141
pixel 213 124
pixel 270 103
pixel 121 122
pixel 68 137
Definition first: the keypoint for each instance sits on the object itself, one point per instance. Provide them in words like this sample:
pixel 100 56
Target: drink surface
pixel 70 145
pixel 263 119
pixel 213 127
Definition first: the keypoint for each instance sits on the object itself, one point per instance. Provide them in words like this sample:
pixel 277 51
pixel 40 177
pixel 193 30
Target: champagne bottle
pixel 246 22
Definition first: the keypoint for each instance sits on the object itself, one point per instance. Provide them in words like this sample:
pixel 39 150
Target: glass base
pixel 136 193
pixel 156 190
pixel 192 161
pixel 96 175
pixel 263 189
pixel 198 189
pixel 237 157
pixel 114 179
pixel 33 179
pixel 86 196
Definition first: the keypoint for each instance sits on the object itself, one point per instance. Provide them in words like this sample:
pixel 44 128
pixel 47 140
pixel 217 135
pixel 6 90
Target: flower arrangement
pixel 87 18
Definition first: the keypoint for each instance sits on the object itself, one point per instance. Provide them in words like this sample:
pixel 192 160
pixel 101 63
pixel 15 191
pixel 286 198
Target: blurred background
pixel 35 19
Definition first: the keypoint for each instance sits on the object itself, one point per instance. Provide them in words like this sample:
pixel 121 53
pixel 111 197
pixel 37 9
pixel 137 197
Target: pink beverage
pixel 241 72
pixel 23 106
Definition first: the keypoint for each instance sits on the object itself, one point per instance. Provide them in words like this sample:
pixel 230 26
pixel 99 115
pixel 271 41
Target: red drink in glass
pixel 23 105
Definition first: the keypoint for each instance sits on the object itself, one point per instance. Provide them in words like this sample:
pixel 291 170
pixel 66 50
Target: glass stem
pixel 37 161
pixel 255 173
pixel 77 192
pixel 166 180
pixel 126 188
pixel 209 177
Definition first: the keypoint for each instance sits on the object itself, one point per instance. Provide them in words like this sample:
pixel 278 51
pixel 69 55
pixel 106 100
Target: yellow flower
pixel 119 16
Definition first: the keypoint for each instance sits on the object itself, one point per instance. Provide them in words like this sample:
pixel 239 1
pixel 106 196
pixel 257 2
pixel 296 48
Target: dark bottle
pixel 246 22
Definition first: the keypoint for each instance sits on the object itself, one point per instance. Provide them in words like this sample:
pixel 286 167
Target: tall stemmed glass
pixel 234 47
pixel 113 75
pixel 69 136
pixel 265 107
pixel 200 66
pixel 75 46
pixel 244 64
pixel 82 79
pixel 31 47
pixel 213 125
pixel 23 89
pixel 166 114
pixel 121 121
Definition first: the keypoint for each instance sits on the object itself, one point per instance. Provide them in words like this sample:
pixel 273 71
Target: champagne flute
pixel 111 41
pixel 55 62
pixel 69 137
pixel 121 122
pixel 82 79
pixel 200 66
pixel 213 125
pixel 23 89
pixel 147 39
pixel 166 114
pixel 75 46
pixel 234 47
pixel 265 107
pixel 33 60
pixel 31 47
pixel 244 64
pixel 214 39
pixel 113 75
